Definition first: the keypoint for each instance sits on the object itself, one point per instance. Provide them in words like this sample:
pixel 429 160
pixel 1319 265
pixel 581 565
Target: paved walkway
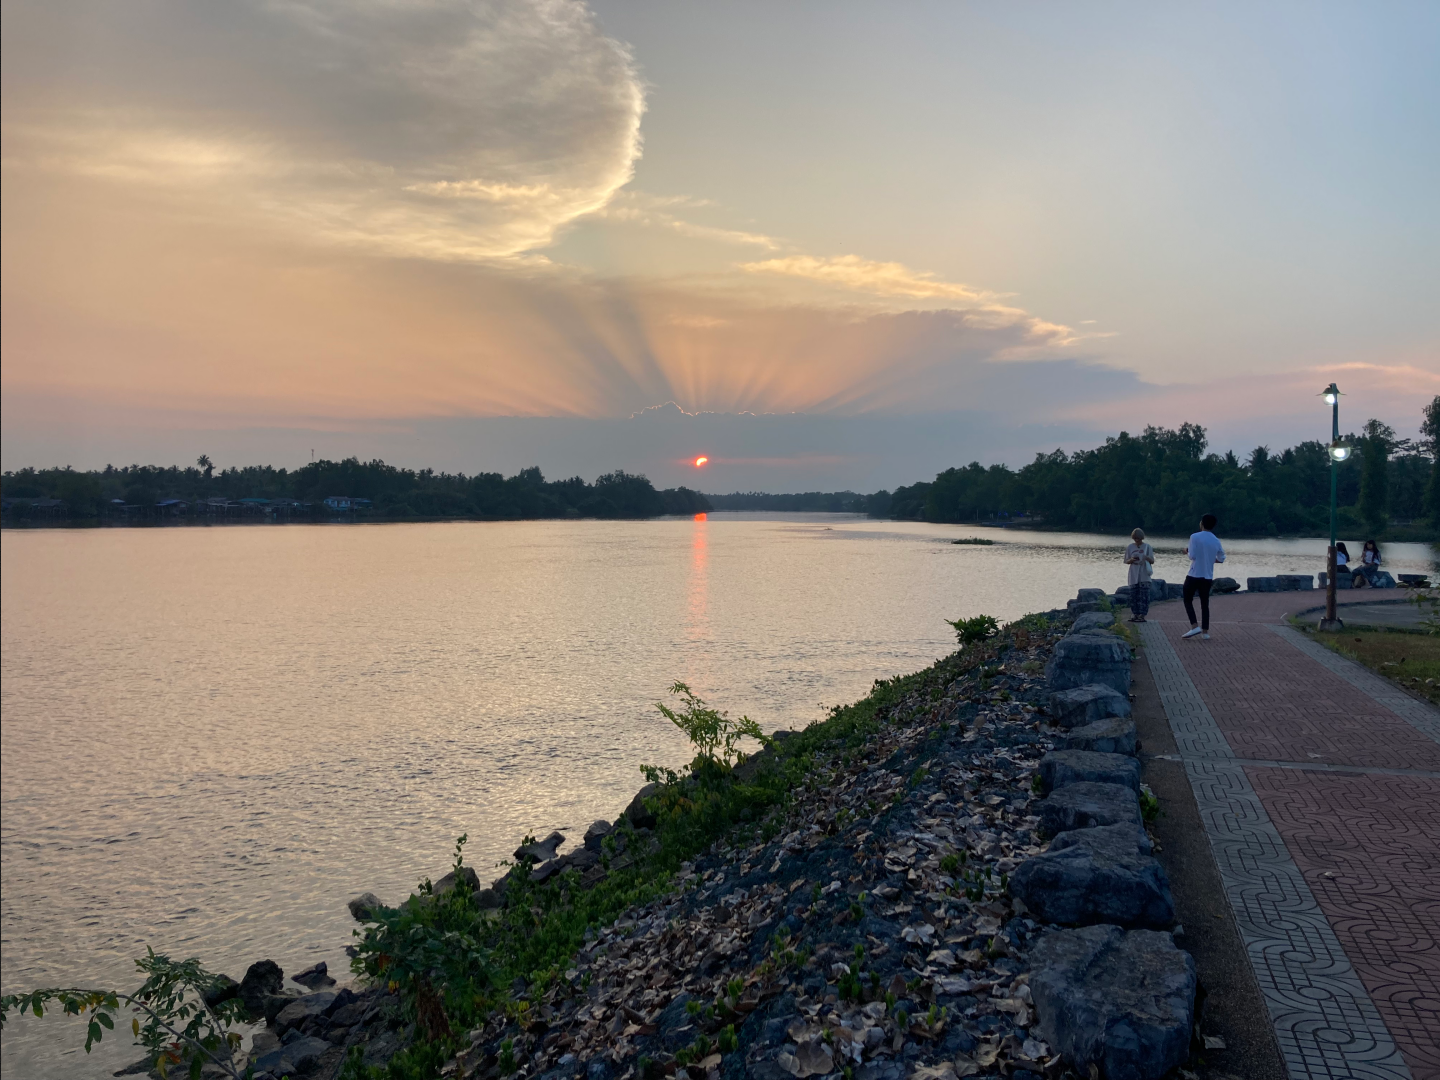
pixel 1319 785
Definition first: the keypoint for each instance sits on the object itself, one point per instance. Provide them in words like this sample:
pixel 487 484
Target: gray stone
pixel 1100 876
pixel 446 883
pixel 300 1056
pixel 541 851
pixel 1112 736
pixel 1095 620
pixel 1084 607
pixel 1137 837
pixel 262 980
pixel 1262 584
pixel 595 835
pixel 1294 582
pixel 1083 806
pixel 1060 768
pixel 305 1008
pixel 640 816
pixel 1418 581
pixel 222 989
pixel 363 907
pixel 1085 595
pixel 1343 580
pixel 1083 705
pixel 1225 585
pixel 315 976
pixel 1123 1001
pixel 1090 657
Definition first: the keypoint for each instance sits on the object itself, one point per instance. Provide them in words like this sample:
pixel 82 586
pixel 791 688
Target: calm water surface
pixel 213 737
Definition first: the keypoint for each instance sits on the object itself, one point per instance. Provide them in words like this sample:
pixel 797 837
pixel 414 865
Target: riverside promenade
pixel 1318 783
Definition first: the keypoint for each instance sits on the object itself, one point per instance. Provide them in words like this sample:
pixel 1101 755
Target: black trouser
pixel 1199 585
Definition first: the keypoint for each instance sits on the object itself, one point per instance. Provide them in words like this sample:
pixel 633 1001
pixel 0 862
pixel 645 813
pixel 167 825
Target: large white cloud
pixel 439 128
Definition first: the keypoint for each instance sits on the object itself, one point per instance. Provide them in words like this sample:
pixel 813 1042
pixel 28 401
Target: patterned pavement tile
pixel 1272 701
pixel 1325 1021
pixel 1368 848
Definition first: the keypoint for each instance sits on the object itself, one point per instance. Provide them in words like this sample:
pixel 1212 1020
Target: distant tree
pixel 1374 475
pixel 205 463
pixel 1430 444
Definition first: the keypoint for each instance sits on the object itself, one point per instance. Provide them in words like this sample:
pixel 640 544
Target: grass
pixel 978 541
pixel 1408 659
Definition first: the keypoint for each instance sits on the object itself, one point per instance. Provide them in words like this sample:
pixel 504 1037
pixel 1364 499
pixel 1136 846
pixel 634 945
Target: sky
pixel 838 245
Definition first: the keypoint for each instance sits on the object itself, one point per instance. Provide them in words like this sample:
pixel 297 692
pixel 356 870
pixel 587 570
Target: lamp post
pixel 1338 453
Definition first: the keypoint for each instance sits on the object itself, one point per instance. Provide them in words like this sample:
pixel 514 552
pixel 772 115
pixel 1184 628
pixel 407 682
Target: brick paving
pixel 1359 848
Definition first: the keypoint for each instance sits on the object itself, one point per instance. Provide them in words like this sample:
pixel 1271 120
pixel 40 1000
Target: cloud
pixel 655 211
pixel 981 308
pixel 441 129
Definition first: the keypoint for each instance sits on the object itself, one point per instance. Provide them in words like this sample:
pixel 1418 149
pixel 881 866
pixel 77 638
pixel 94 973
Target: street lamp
pixel 1338 453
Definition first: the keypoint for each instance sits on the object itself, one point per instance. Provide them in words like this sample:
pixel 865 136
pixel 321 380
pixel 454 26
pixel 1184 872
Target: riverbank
pixel 851 900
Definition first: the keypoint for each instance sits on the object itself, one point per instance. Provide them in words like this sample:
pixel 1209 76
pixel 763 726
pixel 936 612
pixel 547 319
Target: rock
pixel 1159 590
pixel 222 989
pixel 446 883
pixel 262 980
pixel 641 817
pixel 1089 658
pixel 315 977
pixel 1062 767
pixel 1111 736
pixel 488 898
pixel 1099 876
pixel 1122 1001
pixel 595 835
pixel 1293 582
pixel 1083 806
pixel 1416 581
pixel 1343 580
pixel 1089 595
pixel 1095 620
pixel 1262 584
pixel 363 907
pixel 1224 585
pixel 300 1056
pixel 1083 705
pixel 1084 607
pixel 1137 837
pixel 275 1004
pixel 541 851
pixel 1382 580
pixel 545 871
pixel 305 1008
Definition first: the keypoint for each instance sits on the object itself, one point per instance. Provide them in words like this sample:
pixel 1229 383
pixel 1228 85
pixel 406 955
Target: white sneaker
pixel 1204 637
pixel 1194 631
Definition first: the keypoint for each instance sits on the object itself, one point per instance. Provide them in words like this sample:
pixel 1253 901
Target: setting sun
pixel 701 460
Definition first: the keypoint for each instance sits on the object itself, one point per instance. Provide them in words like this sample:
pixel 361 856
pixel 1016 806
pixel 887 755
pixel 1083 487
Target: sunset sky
pixel 868 241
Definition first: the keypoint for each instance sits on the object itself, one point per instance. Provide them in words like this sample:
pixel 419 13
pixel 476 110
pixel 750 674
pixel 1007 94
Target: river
pixel 213 737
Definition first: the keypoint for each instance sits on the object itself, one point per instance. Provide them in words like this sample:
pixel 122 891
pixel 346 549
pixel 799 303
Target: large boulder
pixel 1294 582
pixel 1115 735
pixel 641 816
pixel 1084 806
pixel 1224 585
pixel 298 1057
pixel 446 883
pixel 1087 595
pixel 1083 705
pixel 1089 658
pixel 1094 620
pixel 263 979
pixel 1060 768
pixel 595 835
pixel 540 851
pixel 309 1007
pixel 1122 1001
pixel 1135 834
pixel 1262 584
pixel 1100 876
pixel 1343 579
pixel 364 907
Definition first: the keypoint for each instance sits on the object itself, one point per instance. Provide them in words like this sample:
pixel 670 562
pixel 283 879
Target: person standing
pixel 1140 557
pixel 1205 551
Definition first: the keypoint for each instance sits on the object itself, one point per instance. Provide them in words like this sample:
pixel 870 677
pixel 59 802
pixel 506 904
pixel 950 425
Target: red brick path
pixel 1368 844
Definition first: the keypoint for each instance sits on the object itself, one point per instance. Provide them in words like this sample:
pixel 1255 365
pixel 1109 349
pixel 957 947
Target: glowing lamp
pixel 1331 394
pixel 1339 453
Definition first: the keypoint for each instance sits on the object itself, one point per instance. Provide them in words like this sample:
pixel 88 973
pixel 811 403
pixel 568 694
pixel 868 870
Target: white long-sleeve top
pixel 1205 551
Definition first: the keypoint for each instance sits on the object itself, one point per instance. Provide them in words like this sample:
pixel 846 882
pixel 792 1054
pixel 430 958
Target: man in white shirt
pixel 1205 551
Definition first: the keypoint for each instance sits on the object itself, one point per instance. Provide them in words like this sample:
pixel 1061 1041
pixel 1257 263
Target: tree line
pixel 393 492
pixel 1162 480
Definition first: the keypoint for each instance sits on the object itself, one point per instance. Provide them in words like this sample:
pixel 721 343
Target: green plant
pixel 179 1028
pixel 726 1041
pixel 714 735
pixel 975 630
pixel 1149 804
pixel 950 863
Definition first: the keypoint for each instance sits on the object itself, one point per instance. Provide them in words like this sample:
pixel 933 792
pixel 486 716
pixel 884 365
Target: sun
pixel 701 460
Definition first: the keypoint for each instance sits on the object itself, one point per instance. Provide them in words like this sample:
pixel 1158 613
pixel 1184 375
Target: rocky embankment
pixel 971 893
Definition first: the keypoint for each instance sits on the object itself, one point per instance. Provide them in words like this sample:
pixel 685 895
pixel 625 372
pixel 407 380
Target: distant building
pixel 346 502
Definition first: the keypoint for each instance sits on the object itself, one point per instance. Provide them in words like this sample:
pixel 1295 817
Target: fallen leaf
pixel 814 1058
